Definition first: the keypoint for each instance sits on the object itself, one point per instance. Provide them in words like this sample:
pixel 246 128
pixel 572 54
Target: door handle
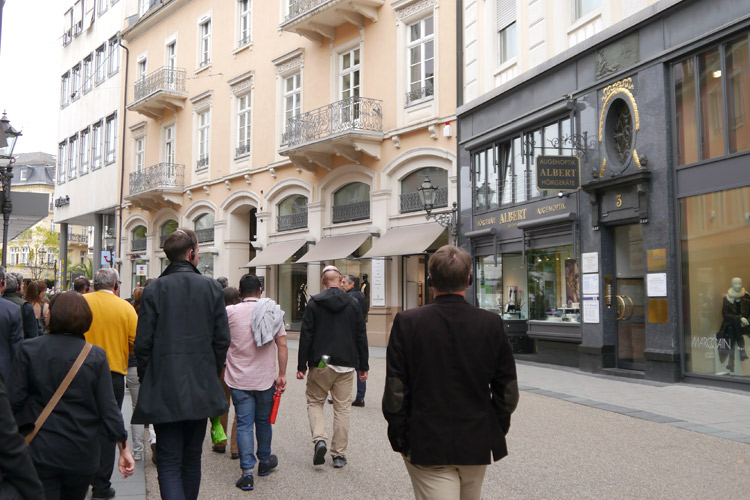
pixel 632 307
pixel 620 300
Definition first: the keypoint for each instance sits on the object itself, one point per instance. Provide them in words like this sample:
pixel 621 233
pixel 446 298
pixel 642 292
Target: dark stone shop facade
pixel 640 272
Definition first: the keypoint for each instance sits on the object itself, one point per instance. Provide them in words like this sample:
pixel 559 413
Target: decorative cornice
pixel 242 87
pixel 201 104
pixel 290 61
pixel 138 130
pixel 407 8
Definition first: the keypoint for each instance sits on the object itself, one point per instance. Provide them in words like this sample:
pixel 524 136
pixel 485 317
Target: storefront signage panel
pixel 509 219
pixel 558 173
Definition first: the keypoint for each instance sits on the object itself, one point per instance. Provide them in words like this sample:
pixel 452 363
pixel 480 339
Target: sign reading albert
pixel 561 173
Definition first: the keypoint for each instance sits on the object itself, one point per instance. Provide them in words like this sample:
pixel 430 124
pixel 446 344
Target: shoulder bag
pixel 59 392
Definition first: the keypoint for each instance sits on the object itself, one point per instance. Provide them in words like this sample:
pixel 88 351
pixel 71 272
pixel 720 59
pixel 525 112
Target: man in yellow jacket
pixel 113 329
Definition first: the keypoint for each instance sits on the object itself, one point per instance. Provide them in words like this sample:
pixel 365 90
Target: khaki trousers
pixel 319 382
pixel 446 482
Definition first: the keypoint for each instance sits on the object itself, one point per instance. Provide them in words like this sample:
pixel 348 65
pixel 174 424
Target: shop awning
pixel 276 253
pixel 335 247
pixel 407 240
pixel 28 209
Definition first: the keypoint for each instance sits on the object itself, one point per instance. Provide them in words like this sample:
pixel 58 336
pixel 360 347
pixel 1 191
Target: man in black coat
pixel 11 331
pixel 181 344
pixel 350 284
pixel 450 385
pixel 332 336
pixel 13 293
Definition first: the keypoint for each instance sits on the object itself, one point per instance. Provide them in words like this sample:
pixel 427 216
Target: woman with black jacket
pixel 62 450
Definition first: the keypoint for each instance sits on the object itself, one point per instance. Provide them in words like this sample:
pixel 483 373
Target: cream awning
pixel 335 247
pixel 276 253
pixel 407 240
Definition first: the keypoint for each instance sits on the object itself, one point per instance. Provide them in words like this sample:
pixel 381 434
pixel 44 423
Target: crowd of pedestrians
pixel 186 346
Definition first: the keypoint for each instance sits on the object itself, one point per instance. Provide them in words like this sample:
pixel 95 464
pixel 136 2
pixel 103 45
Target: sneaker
pixel 359 402
pixel 245 482
pixel 137 456
pixel 339 461
pixel 106 495
pixel 319 458
pixel 264 468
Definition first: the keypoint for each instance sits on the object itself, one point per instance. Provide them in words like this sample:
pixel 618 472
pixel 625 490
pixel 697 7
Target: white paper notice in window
pixel 377 295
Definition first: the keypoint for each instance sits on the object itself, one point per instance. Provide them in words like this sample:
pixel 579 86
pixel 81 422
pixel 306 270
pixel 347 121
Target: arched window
pixel 167 228
pixel 351 202
pixel 138 239
pixel 292 213
pixel 204 228
pixel 410 200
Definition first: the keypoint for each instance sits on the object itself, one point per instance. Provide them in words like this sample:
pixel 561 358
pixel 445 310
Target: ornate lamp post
pixel 8 137
pixel 428 194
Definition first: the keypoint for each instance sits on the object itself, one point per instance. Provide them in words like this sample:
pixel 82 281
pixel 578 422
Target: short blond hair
pixel 449 269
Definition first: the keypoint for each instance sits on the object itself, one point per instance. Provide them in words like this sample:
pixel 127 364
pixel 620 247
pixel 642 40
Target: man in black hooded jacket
pixel 332 336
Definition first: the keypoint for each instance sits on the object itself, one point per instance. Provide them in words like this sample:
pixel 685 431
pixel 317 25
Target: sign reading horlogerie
pixel 561 173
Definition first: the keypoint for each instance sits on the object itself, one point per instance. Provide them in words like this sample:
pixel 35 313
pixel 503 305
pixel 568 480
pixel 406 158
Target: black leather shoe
pixel 265 468
pixel 319 458
pixel 235 456
pixel 219 449
pixel 339 461
pixel 359 402
pixel 105 495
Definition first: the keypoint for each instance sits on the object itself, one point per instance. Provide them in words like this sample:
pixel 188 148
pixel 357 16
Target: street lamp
pixel 8 137
pixel 428 194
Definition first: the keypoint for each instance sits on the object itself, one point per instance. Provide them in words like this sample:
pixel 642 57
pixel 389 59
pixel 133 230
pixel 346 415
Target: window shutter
pixel 506 13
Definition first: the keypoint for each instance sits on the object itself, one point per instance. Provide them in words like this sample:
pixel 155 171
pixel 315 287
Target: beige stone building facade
pixel 291 134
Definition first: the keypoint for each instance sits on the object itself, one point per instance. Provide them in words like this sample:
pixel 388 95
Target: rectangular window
pixel 350 80
pixel 711 109
pixel 683 75
pixel 140 154
pixel 204 138
pixel 169 144
pixel 102 4
pixel 738 94
pixel 67 27
pixel 140 70
pixel 110 140
pixel 83 162
pixel 78 17
pixel 243 22
pixel 421 60
pixel 101 56
pixel 75 83
pixel 72 157
pixel 114 56
pixel 486 178
pixel 65 90
pixel 61 164
pixel 506 30
pixel 88 74
pixel 243 125
pixel 205 43
pixel 96 145
pixel 553 285
pixel 583 7
pixel 292 98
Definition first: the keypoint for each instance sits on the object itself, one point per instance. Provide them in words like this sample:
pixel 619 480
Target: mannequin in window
pixel 365 288
pixel 735 310
pixel 301 300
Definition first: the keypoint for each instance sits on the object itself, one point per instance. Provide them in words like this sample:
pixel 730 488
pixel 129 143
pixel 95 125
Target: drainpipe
pixel 122 154
pixel 459 53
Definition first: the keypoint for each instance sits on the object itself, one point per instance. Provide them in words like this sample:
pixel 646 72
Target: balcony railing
pixel 352 114
pixel 297 7
pixel 351 212
pixel 419 94
pixel 160 176
pixel 166 79
pixel 411 202
pixel 205 235
pixel 138 245
pixel 78 238
pixel 242 150
pixel 292 221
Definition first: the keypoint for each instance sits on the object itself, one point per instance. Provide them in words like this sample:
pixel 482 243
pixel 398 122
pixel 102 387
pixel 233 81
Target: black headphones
pixel 192 254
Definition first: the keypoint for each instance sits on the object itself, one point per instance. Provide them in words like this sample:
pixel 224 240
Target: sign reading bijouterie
pixel 561 173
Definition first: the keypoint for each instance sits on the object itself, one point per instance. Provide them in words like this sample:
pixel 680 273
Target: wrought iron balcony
pixel 242 150
pixel 138 245
pixel 411 202
pixel 351 212
pixel 163 89
pixel 419 94
pixel 78 238
pixel 157 186
pixel 205 235
pixel 343 128
pixel 202 163
pixel 292 221
pixel 318 19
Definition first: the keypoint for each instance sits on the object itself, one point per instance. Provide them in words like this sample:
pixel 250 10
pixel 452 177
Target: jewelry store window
pixel 715 244
pixel 501 285
pixel 553 285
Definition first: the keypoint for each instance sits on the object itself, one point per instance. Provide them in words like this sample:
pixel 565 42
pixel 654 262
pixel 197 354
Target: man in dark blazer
pixel 11 329
pixel 450 386
pixel 181 345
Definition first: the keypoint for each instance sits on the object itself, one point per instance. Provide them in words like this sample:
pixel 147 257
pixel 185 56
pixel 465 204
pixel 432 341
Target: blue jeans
pixel 178 458
pixel 361 386
pixel 253 407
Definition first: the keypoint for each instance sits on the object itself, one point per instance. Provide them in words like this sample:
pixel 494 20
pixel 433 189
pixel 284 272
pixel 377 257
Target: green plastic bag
pixel 217 431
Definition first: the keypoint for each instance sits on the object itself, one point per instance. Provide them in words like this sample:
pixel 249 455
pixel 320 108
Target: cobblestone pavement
pixel 562 446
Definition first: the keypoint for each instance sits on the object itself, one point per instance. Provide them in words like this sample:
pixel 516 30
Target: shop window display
pixel 293 295
pixel 501 285
pixel 715 243
pixel 553 285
